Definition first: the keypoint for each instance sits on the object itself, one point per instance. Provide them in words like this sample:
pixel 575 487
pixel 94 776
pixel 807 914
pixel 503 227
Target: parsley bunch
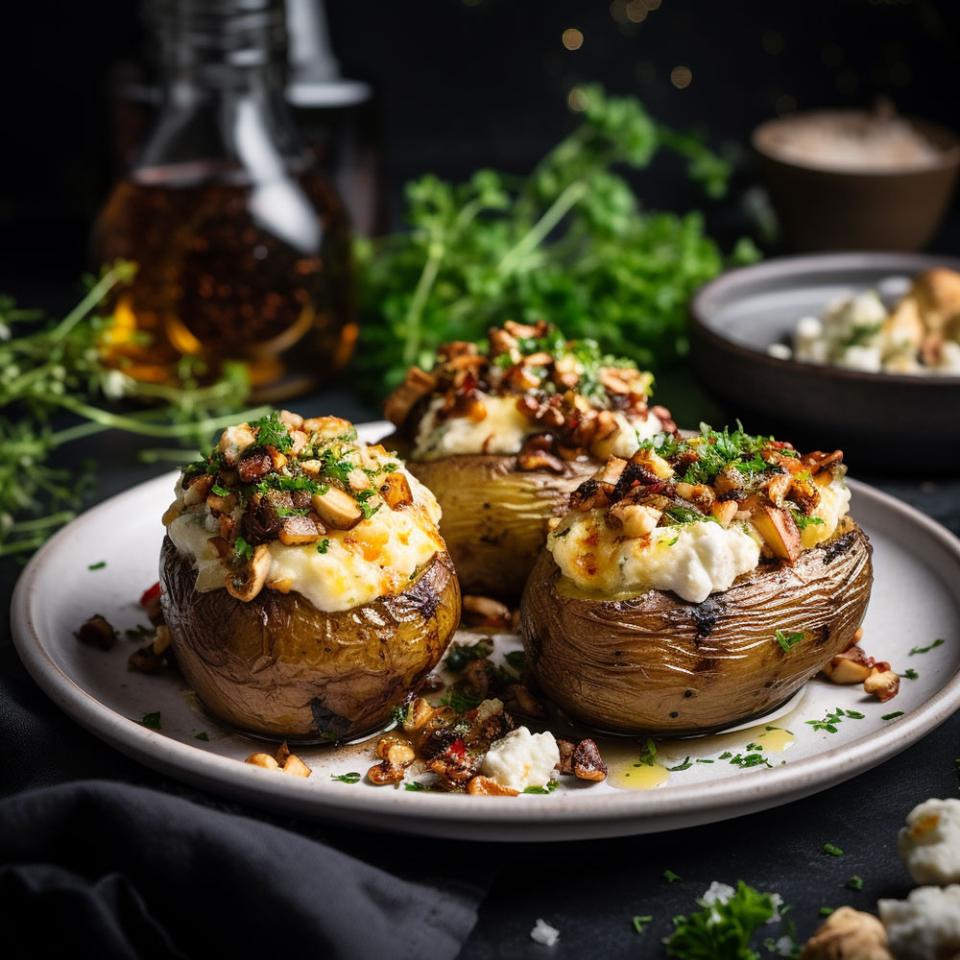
pixel 722 930
pixel 48 370
pixel 569 243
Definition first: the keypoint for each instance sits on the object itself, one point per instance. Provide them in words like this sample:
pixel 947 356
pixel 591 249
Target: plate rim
pixel 607 815
pixel 790 266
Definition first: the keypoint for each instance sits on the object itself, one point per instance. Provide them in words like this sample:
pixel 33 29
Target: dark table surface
pixel 588 890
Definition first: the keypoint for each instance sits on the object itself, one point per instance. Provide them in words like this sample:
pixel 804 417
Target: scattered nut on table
pixel 848 934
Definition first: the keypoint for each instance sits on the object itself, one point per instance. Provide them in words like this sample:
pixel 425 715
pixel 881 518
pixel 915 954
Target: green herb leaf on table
pixel 97 566
pixel 150 720
pixel 351 777
pixel 671 877
pixel 832 850
pixel 640 924
pixel 855 882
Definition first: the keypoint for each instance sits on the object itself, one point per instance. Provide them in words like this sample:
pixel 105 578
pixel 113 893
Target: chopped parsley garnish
pixel 686 765
pixel 99 565
pixel 366 508
pixel 826 911
pixel 854 883
pixel 549 788
pixel 726 755
pixel 351 777
pixel 335 467
pixel 220 491
pixel 830 721
pixel 138 632
pixel 242 549
pixel 832 850
pixel 686 515
pixel 803 521
pixel 640 924
pixel 202 735
pixel 648 756
pixel 323 546
pixel 278 481
pixel 517 660
pixel 788 640
pixel 750 760
pixel 892 716
pixel 462 653
pixel 754 747
pixel 671 877
pixel 415 786
pixel 291 511
pixel 939 642
pixel 272 432
pixel 703 760
pixel 151 720
pixel 460 702
pixel 911 674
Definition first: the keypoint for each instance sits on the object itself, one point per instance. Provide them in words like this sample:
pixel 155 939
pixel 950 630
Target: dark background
pixel 481 82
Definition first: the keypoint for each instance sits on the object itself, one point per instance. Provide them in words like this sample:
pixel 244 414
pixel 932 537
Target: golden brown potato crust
pixel 279 667
pixel 658 664
pixel 495 516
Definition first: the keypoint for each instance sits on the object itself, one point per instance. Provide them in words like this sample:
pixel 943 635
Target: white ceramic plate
pixel 916 601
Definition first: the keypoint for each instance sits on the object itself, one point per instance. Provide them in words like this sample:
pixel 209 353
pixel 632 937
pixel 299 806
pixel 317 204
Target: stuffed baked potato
pixel 304 581
pixel 504 432
pixel 701 582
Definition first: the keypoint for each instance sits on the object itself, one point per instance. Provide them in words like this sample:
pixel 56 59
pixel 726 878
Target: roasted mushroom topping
pixel 337 509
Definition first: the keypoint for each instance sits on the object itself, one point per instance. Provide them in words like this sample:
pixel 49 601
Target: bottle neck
pixel 223 67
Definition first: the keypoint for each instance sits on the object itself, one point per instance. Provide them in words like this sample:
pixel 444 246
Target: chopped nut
pixel 97 632
pixel 262 760
pixel 567 748
pixel 654 463
pixel 247 583
pixel 144 660
pixel 292 421
pixel 234 440
pixel 610 472
pixel 848 934
pixel 525 701
pixel 418 713
pixel 636 520
pixel 296 530
pixel 337 509
pixel 277 459
pixel 395 491
pixel 481 611
pixel 384 773
pixel 282 752
pixel 587 762
pixel 778 530
pixel 882 683
pixel 848 667
pixel 724 511
pixel 294 766
pixel 487 787
pixel 196 488
pixel 161 640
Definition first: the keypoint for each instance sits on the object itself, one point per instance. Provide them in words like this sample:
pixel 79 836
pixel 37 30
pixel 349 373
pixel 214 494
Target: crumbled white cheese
pixel 867 358
pixel 504 428
pixel 780 351
pixel 925 925
pixel 543 933
pixel 717 892
pixel 691 559
pixel 522 759
pixel 930 842
pixel 376 558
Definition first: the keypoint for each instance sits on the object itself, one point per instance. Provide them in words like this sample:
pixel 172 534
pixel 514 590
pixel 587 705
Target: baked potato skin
pixel 658 664
pixel 279 667
pixel 495 515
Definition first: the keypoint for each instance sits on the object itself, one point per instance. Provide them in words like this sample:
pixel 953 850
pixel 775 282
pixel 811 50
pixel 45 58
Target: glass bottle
pixel 243 246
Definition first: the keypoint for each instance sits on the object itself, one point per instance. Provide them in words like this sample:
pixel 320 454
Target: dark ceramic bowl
pixel 889 422
pixel 822 208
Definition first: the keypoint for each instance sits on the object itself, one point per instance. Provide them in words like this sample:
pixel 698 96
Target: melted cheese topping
pixel 692 560
pixel 503 430
pixel 378 557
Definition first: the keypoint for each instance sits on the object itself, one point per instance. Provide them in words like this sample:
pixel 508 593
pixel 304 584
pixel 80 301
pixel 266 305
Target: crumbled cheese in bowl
pixel 930 842
pixel 925 925
pixel 522 759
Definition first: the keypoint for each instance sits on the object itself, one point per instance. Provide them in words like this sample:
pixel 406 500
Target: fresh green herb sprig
pixel 939 642
pixel 722 930
pixel 569 243
pixel 50 371
pixel 788 641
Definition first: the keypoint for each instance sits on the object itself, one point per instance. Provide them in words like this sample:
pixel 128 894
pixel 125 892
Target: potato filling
pixel 691 516
pixel 527 391
pixel 301 505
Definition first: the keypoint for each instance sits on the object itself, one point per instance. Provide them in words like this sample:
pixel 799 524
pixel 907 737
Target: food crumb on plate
pixel 543 933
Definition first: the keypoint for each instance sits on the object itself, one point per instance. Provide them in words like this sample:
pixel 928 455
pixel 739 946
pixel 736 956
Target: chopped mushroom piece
pixel 247 582
pixel 485 612
pixel 337 509
pixel 295 530
pixel 97 632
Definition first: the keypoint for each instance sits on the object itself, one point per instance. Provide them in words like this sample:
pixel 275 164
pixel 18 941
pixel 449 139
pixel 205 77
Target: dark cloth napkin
pixel 110 869
pixel 116 871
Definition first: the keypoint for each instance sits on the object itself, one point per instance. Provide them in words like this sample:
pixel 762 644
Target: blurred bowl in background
pixel 892 423
pixel 855 180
